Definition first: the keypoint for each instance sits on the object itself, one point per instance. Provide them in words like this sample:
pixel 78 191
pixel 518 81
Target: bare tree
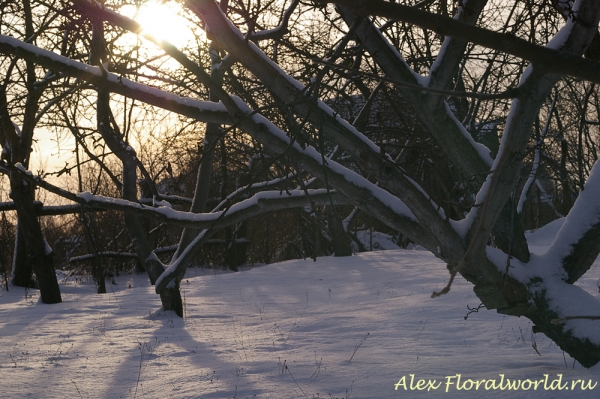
pixel 20 94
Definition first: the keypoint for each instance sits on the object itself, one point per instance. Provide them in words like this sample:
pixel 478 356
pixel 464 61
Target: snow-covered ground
pixel 354 327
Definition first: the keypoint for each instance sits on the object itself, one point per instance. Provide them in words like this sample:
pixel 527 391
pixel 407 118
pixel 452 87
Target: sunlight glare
pixel 161 20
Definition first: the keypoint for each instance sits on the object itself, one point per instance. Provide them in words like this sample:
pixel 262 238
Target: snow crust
pixel 285 330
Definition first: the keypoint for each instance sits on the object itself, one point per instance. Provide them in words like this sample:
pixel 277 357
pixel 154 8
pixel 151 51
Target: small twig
pixel 563 319
pixel 534 344
pixel 288 370
pixel 474 310
pixel 420 328
pixel 362 341
pixel 77 388
pixel 509 93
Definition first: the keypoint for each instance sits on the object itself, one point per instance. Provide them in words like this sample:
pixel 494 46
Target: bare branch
pixel 545 59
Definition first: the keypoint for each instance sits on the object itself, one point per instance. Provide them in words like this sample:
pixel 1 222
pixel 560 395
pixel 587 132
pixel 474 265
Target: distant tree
pixel 21 93
pixel 6 238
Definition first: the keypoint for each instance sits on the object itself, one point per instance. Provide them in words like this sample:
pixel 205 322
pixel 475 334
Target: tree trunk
pixel 22 272
pixel 170 297
pixel 97 269
pixel 31 232
pixel 339 238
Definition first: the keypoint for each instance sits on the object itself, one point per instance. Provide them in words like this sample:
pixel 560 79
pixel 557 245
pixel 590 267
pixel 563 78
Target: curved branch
pixel 551 61
pixel 204 111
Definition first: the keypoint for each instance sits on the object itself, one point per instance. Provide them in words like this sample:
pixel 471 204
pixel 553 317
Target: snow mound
pixel 544 236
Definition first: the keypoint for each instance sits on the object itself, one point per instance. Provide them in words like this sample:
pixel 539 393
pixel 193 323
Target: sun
pixel 162 20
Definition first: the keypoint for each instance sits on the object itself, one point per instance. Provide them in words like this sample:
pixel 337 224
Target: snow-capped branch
pixel 363 150
pixel 50 210
pixel 262 202
pixel 550 60
pixel 279 30
pixel 115 254
pixel 205 111
pixel 536 160
pixel 97 10
pixel 500 184
pixel 577 243
pixel 446 64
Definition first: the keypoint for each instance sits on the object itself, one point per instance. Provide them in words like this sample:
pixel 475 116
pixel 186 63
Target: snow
pixel 544 236
pixel 536 161
pixel 441 54
pixel 481 149
pixel 555 241
pixel 375 239
pixel 462 226
pixel 284 330
pixel 584 214
pixel 389 200
pixel 207 106
pixel 567 300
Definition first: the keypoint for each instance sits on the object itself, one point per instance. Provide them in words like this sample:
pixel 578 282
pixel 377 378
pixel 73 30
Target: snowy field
pixel 354 327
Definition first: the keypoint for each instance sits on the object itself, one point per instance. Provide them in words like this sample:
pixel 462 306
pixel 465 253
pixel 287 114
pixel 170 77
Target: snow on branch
pixel 433 229
pixel 577 243
pixel 552 61
pixel 446 63
pixel 106 254
pixel 49 210
pixel 204 111
pixel 280 30
pixel 262 202
pixel 115 254
pixel 536 159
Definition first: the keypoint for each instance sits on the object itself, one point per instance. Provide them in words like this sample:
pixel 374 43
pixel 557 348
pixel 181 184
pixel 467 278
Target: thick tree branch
pixel 537 85
pixel 548 60
pixel 449 134
pixel 446 64
pixel 369 156
pixel 200 110
pixel 471 159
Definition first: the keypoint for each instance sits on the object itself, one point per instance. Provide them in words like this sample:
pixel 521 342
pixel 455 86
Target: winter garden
pixel 288 198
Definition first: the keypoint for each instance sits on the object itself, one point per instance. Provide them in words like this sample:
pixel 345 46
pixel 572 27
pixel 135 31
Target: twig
pixel 509 93
pixel 563 319
pixel 288 370
pixel 474 310
pixel 77 388
pixel 362 341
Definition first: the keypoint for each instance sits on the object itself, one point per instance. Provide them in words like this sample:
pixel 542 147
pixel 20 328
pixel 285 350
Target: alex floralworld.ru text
pixel 458 383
